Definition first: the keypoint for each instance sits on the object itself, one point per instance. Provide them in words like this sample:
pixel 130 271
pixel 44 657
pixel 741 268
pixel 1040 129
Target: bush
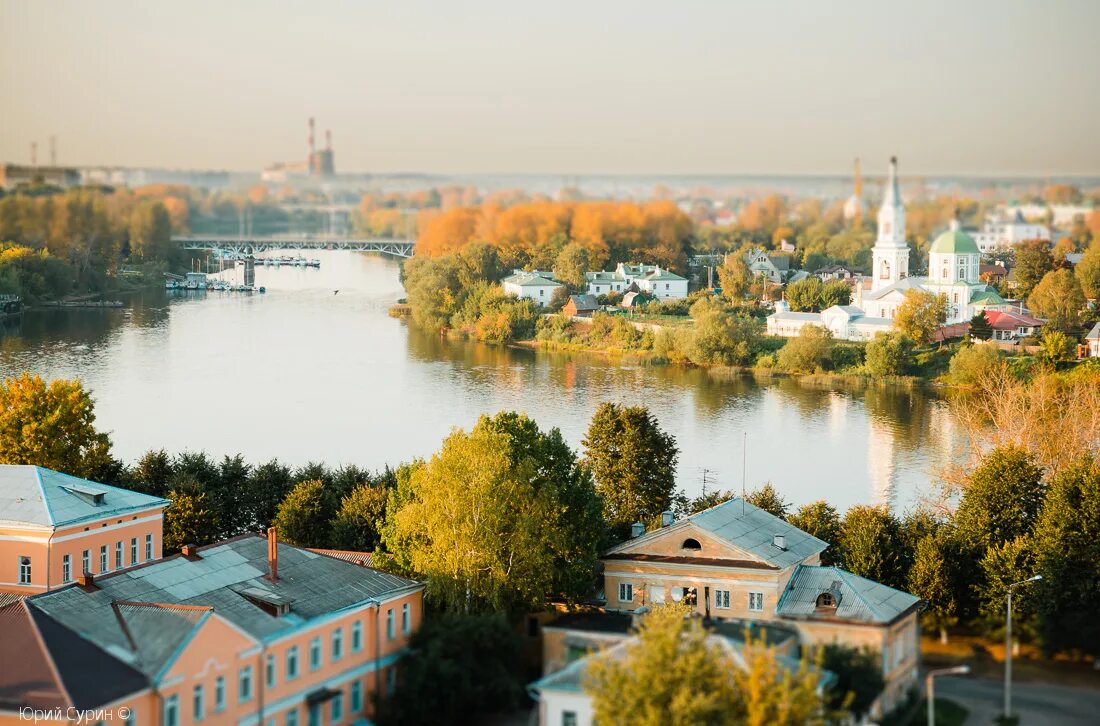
pixel 847 356
pixel 807 353
pixel 721 337
pixel 972 364
pixel 889 354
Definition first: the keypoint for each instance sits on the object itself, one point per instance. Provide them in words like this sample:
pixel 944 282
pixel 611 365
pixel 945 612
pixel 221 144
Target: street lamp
pixel 930 687
pixel 1008 644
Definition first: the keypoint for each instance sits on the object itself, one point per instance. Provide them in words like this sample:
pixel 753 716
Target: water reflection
pixel 306 373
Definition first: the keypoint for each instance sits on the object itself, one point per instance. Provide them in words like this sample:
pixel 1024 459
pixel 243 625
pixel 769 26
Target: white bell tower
pixel 890 256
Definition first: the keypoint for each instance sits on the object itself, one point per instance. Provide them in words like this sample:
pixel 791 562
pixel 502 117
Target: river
pixel 315 370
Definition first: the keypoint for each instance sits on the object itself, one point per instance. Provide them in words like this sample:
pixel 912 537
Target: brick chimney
pixel 191 552
pixel 272 555
pixel 86 581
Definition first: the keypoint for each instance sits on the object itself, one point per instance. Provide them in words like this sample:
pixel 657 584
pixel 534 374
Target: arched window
pixel 691 544
pixel 884 270
pixel 826 600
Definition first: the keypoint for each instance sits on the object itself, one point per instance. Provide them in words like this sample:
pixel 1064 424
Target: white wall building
pixel 1001 233
pixel 533 285
pixel 845 322
pixel 651 279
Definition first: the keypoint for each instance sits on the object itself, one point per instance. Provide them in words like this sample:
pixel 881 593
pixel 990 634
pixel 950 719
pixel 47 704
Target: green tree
pixel 152 474
pixel 973 365
pixel 53 426
pixel 859 678
pixel 1033 261
pixel 805 295
pixel 888 354
pixel 356 524
pixel 1002 499
pixel 835 292
pixel 871 543
pixel 708 500
pixel 500 519
pixel 735 277
pixel 189 520
pixel 821 520
pixel 980 327
pixel 633 462
pixel 433 290
pixel 921 314
pixel 769 499
pixel 1059 300
pixel 672 675
pixel 1088 271
pixel 303 517
pixel 267 486
pixel 478 657
pixel 1067 554
pixel 1003 564
pixel 571 265
pixel 721 337
pixel 1056 347
pixel 929 580
pixel 810 351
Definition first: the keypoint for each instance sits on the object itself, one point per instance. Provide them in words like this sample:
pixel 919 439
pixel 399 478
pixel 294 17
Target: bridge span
pixel 253 245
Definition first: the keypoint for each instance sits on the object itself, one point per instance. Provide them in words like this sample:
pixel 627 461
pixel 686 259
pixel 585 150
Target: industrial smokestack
pixel 312 146
pixel 328 139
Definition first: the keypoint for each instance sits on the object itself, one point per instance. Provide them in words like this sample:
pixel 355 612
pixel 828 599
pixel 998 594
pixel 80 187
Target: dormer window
pixel 826 601
pixel 691 544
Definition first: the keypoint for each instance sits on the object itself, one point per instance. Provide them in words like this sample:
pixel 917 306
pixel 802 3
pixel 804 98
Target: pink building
pixel 248 632
pixel 54 527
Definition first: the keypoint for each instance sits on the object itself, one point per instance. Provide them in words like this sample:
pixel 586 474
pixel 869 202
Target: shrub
pixel 972 364
pixel 889 354
pixel 807 353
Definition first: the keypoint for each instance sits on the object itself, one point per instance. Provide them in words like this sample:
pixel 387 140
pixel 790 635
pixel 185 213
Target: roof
pixel 955 241
pixel 747 528
pixel 992 270
pixel 530 279
pixel 902 285
pixel 156 631
pixel 682 560
pixel 662 274
pixel 788 315
pixel 584 302
pixel 313 584
pixel 857 598
pixel 1007 320
pixel 365 559
pixel 986 296
pixel 593 622
pixel 1094 334
pixel 39 496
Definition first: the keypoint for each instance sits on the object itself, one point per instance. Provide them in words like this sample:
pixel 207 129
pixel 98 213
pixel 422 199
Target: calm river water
pixel 303 373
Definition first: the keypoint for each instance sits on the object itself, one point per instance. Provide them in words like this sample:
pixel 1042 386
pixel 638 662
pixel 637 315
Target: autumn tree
pixel 53 426
pixel 189 520
pixel 517 506
pixel 633 462
pixel 1088 269
pixel 920 315
pixel 571 266
pixel 150 232
pixel 734 276
pixel 1033 261
pixel 1059 300
pixel 303 517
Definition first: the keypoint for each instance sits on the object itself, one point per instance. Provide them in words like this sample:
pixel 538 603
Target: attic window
pixel 88 494
pixel 691 544
pixel 826 601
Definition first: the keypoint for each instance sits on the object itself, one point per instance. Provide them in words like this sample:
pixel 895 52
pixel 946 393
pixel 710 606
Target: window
pixel 199 706
pixel 356 696
pixel 691 544
pixel 269 670
pixel 133 551
pixel 389 624
pixel 219 694
pixel 568 718
pixel 356 636
pixel 86 561
pixel 315 654
pixel 118 555
pixel 148 547
pixel 292 662
pixel 172 711
pixel 244 684
pixel 315 714
pixel 292 717
pixel 337 644
pixel 67 568
pixel 103 558
pixel 338 706
pixel 24 570
pixel 756 601
pixel 405 618
pixel 626 592
pixel 722 599
pixel 826 600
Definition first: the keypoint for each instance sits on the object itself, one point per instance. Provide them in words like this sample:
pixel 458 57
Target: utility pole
pixel 930 687
pixel 1008 644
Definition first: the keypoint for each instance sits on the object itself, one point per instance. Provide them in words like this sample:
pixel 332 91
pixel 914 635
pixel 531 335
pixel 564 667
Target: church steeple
pixel 890 256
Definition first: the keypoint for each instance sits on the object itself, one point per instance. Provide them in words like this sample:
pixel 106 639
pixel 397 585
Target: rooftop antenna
pixel 53 151
pixel 744 467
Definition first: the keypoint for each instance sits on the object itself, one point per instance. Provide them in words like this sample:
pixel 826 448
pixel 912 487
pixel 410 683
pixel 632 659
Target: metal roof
pixel 857 598
pixel 34 495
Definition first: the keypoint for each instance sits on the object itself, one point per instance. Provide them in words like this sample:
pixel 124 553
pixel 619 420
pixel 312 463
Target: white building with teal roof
pixel 531 285
pixel 654 280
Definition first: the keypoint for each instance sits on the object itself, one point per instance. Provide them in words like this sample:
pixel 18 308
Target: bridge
pixel 253 245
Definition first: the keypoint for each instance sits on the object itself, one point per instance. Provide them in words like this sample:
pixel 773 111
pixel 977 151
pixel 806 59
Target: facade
pixel 1092 342
pixel 650 279
pixel 55 527
pixel 1008 325
pixel 845 322
pixel 533 285
pixel 737 562
pixel 836 272
pixel 581 306
pixel 12 175
pixel 1003 231
pixel 245 632
pixel 773 267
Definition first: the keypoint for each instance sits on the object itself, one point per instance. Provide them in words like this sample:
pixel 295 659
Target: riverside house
pixel 533 285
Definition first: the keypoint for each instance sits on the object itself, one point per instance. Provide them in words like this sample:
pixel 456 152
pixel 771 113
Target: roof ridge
pixel 844 574
pixel 42 493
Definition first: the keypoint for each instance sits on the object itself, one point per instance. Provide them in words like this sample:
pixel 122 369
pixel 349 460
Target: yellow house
pixel 736 561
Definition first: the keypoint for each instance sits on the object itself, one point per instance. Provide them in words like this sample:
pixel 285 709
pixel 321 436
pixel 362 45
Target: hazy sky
pixel 564 87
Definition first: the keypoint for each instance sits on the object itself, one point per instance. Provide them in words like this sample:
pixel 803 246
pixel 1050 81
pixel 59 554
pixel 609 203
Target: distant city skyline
pixel 982 88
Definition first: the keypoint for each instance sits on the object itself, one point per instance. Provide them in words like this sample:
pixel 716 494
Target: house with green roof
pixel 531 285
pixel 653 280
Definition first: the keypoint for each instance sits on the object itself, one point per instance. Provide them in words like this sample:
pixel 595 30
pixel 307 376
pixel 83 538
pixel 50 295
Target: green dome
pixel 955 241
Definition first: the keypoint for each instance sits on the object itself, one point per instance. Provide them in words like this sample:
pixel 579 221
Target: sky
pixel 983 87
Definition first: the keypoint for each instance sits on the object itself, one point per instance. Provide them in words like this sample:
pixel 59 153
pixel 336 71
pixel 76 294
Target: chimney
pixel 191 552
pixel 86 581
pixel 637 530
pixel 272 555
pixel 667 518
pixel 328 139
pixel 780 541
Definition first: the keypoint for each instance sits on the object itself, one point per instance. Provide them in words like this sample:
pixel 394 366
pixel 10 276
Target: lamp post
pixel 1008 644
pixel 930 687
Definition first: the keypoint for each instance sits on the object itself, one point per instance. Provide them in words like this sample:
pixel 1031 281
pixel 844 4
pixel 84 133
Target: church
pixel 953 269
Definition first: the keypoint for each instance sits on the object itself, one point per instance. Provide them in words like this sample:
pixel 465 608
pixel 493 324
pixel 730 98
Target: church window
pixel 886 228
pixel 884 273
